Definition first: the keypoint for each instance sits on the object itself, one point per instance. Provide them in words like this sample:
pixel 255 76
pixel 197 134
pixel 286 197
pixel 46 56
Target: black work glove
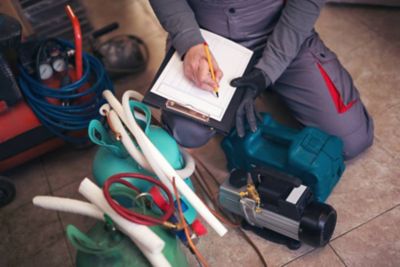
pixel 253 83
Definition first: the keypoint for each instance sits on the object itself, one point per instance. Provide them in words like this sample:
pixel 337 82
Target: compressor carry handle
pixel 277 132
pixel 275 174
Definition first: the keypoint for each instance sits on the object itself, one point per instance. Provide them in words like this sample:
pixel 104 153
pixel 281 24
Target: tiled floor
pixel 367 199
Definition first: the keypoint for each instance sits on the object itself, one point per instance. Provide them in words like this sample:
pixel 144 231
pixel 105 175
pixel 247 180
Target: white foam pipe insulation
pixel 156 258
pixel 158 163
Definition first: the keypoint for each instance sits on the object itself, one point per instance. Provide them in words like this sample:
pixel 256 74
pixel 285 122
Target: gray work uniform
pixel 304 72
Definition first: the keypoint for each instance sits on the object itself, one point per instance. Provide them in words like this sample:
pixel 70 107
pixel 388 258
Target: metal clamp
pixel 187 110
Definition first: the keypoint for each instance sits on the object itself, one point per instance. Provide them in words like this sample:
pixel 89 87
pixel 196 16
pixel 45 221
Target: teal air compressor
pixel 309 154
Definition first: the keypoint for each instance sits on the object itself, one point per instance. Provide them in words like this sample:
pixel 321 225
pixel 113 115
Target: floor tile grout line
pixel 378 142
pixel 337 254
pixel 50 244
pixel 11 240
pixel 29 201
pixel 378 138
pixel 390 153
pixel 375 31
pixel 46 175
pixel 45 248
pixel 394 105
pixel 88 175
pixel 366 222
pixel 71 258
pixel 38 252
pixel 352 20
pixel 298 257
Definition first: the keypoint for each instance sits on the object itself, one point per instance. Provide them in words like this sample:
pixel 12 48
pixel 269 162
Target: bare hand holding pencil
pixel 197 68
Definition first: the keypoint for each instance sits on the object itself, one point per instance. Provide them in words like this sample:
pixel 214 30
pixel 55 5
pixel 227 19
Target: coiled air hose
pixel 72 114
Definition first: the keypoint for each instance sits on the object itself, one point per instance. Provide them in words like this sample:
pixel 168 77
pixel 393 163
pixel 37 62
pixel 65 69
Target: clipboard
pixel 224 126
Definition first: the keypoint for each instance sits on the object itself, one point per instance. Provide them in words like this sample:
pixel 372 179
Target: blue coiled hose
pixel 64 119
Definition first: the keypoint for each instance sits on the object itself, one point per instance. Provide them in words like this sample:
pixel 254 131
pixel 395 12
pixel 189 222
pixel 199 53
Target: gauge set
pixel 52 58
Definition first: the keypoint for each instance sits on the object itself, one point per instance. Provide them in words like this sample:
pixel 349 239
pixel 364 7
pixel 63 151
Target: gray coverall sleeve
pixel 294 26
pixel 179 21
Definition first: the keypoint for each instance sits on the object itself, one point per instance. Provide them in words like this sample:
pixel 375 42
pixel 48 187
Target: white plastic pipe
pixel 132 149
pixel 185 172
pixel 156 259
pixel 160 165
pixel 140 234
pixel 68 205
pixel 127 142
pixel 189 167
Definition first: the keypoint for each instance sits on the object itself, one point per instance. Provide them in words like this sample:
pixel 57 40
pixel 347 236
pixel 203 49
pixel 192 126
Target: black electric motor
pixel 278 207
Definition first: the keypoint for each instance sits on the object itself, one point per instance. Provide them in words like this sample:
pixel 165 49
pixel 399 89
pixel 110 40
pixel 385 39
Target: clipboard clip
pixel 188 111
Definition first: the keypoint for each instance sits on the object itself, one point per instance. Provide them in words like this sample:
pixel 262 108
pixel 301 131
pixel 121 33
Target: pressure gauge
pixel 59 65
pixel 45 71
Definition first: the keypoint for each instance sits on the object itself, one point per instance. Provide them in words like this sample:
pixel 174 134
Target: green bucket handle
pixel 100 136
pixel 135 105
pixel 84 243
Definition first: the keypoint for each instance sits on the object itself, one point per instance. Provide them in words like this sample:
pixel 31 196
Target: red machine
pixel 22 136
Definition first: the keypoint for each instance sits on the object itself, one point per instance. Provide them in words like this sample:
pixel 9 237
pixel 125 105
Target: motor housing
pixel 280 203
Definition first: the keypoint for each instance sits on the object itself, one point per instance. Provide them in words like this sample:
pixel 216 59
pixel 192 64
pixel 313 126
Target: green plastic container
pixel 113 249
pixel 104 246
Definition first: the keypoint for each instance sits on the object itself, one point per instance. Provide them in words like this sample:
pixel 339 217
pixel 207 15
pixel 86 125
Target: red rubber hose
pixel 129 214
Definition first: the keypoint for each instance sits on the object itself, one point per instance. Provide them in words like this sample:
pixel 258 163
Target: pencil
pixel 210 65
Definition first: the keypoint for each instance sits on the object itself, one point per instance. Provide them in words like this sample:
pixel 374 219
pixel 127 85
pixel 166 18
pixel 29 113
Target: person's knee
pixel 353 149
pixel 357 142
pixel 186 132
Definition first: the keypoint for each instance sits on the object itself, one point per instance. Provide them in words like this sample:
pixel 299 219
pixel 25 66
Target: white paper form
pixel 232 59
